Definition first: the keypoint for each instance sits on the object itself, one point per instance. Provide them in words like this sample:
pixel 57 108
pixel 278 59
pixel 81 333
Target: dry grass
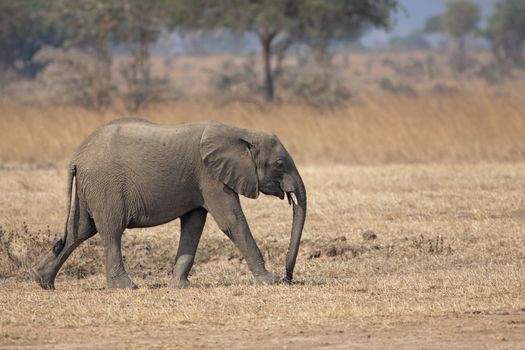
pixel 444 270
pixel 471 127
pixel 437 179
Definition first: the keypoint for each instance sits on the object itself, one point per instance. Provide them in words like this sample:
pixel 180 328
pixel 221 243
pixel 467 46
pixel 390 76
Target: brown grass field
pixel 414 237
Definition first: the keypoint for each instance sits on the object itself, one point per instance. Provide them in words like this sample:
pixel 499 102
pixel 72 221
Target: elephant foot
pixel 45 280
pixel 268 278
pixel 122 282
pixel 179 283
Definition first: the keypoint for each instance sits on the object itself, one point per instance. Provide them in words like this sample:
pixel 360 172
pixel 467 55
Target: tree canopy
pixel 24 29
pixel 279 24
pixel 506 31
pixel 460 18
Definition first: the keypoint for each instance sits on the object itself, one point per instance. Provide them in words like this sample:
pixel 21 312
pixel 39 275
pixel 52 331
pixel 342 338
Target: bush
pixel 398 88
pixel 320 88
pixel 445 89
pixel 493 73
pixel 21 249
pixel 139 92
pixel 69 78
pixel 233 82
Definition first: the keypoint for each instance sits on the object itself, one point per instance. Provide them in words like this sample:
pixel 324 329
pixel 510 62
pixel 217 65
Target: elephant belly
pixel 116 200
pixel 164 209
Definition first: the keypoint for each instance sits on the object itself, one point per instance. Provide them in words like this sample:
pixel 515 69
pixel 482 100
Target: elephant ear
pixel 226 153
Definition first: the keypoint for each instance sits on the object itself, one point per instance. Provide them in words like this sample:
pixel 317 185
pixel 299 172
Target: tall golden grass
pixel 469 127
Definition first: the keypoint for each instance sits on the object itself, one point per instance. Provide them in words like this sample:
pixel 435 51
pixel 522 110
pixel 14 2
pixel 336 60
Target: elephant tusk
pixel 292 198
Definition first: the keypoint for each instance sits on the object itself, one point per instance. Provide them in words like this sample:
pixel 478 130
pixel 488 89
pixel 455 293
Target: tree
pixel 275 22
pixel 93 24
pixel 461 18
pixel 415 40
pixel 142 25
pixel 99 25
pixel 506 31
pixel 24 29
pixel 280 23
pixel 322 22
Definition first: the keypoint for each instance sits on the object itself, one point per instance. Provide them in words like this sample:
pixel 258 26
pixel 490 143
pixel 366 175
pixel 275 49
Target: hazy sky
pixel 414 17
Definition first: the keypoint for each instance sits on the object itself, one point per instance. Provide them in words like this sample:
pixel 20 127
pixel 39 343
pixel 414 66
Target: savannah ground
pixel 414 236
pixel 411 256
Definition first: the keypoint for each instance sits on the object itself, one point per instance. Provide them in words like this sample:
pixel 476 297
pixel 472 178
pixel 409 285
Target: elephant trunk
pixel 299 215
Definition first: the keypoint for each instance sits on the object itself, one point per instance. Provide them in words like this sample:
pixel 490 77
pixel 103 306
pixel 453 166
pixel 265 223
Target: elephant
pixel 133 173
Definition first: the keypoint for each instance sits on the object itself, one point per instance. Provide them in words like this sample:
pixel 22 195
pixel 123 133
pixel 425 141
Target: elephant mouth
pixel 273 189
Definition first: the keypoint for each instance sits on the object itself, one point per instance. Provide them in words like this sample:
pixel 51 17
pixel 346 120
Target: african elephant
pixel 132 173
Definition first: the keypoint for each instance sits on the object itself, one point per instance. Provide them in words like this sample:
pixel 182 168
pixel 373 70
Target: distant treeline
pixel 97 25
pixel 92 29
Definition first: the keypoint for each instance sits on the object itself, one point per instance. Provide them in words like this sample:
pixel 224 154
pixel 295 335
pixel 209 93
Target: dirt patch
pixel 450 332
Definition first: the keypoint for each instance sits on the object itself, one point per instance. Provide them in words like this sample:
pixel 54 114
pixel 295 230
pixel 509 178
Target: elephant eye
pixel 279 163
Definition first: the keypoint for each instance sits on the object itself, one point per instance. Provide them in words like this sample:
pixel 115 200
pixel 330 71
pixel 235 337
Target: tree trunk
pixel 137 73
pixel 517 56
pixel 458 55
pixel 102 98
pixel 266 42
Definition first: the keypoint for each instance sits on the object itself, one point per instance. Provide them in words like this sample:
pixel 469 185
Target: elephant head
pixel 252 162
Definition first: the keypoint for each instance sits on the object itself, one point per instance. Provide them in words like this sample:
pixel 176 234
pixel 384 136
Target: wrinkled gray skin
pixel 132 173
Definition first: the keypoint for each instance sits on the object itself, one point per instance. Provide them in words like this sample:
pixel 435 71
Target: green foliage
pixel 315 22
pixel 143 21
pixel 142 25
pixel 434 24
pixel 323 21
pixel 318 87
pixel 98 24
pixel 281 23
pixel 412 67
pixel 414 40
pixel 506 31
pixel 461 17
pixel 90 21
pixel 230 76
pixel 493 73
pixel 25 26
pixel 95 26
pixel 445 89
pixel 397 88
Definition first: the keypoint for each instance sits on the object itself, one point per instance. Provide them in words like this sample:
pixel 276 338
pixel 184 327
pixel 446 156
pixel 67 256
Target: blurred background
pixel 363 81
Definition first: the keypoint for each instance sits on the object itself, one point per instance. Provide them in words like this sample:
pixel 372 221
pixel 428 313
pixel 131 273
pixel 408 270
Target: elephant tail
pixel 59 245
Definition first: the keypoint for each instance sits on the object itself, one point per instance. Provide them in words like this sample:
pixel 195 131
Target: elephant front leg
pixel 239 232
pixel 192 225
pixel 232 222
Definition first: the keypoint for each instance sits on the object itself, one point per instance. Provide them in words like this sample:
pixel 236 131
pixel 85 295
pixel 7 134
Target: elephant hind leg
pixel 80 228
pixel 111 224
pixel 116 275
pixel 192 225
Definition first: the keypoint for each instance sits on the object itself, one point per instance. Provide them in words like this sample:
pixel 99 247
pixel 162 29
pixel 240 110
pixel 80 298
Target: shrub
pixel 397 88
pixel 320 88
